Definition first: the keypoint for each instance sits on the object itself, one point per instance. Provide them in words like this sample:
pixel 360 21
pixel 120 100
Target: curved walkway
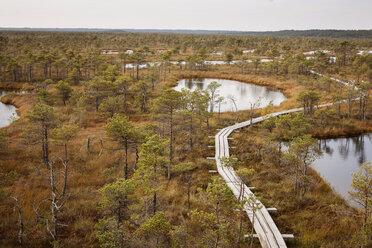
pixel 264 226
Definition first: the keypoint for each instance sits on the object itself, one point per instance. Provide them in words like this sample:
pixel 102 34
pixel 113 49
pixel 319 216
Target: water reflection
pixel 236 95
pixel 7 112
pixel 342 157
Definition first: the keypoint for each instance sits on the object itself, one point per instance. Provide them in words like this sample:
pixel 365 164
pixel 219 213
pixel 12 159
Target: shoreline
pixel 11 85
pixel 21 102
pixel 289 88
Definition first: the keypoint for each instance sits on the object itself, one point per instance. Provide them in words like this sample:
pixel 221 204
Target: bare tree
pixel 253 106
pixel 57 200
pixel 20 221
pixel 233 100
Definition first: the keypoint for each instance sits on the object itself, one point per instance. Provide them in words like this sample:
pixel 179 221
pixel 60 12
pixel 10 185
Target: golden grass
pixel 319 219
pixel 89 172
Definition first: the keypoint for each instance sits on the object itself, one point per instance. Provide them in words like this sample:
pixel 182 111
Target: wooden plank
pixel 272 209
pixel 266 230
pixel 250 235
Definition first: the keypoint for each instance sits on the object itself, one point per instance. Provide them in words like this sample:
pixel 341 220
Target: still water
pixel 233 91
pixel 342 157
pixel 7 112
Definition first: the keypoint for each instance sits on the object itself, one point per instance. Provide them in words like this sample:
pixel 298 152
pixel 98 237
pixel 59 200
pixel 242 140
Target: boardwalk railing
pixel 264 226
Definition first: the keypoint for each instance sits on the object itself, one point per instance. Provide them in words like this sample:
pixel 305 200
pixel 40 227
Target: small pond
pixel 342 157
pixel 7 112
pixel 233 91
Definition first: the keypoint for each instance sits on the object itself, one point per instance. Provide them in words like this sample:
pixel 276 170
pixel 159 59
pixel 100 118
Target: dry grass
pixel 89 172
pixel 319 219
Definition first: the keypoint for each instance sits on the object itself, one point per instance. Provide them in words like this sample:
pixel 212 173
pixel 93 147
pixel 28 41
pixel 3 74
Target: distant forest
pixel 331 33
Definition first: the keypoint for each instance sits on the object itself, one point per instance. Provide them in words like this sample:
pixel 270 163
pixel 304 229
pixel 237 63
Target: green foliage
pixel 74 77
pixel 269 124
pixel 44 84
pixel 41 119
pixel 109 106
pixel 65 133
pixel 44 96
pixel 212 89
pixel 155 226
pixel 123 83
pixel 120 128
pixel 153 76
pixel 115 202
pixel 115 194
pixel 216 227
pixel 194 105
pixel 299 126
pixel 203 219
pixel 288 127
pixel 229 57
pixel 184 167
pixel 245 174
pixel 42 115
pixel 99 88
pixel 231 161
pixel 306 150
pixel 362 194
pixel 151 163
pixel 107 234
pixel 165 107
pixel 64 90
pixel 218 192
pixel 152 160
pixel 324 116
pixel 111 73
pixel 168 103
pixel 308 100
pixel 362 188
pixel 142 94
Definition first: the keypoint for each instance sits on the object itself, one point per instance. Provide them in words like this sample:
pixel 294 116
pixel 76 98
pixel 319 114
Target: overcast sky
pixel 245 15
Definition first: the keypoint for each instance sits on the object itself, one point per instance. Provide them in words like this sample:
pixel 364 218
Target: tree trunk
pixel 46 147
pixel 20 220
pixel 240 227
pixel 350 107
pixel 190 134
pixel 154 203
pixel 54 233
pixel 170 145
pixel 251 245
pixel 126 160
pixel 188 194
pixel 137 157
pixel 279 153
pixel 97 103
pixel 137 67
pixel 296 179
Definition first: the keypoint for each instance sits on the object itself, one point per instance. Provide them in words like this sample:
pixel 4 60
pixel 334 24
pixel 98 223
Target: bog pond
pixel 237 95
pixel 7 112
pixel 342 157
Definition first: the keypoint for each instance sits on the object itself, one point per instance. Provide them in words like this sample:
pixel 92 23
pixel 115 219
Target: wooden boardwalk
pixel 264 226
